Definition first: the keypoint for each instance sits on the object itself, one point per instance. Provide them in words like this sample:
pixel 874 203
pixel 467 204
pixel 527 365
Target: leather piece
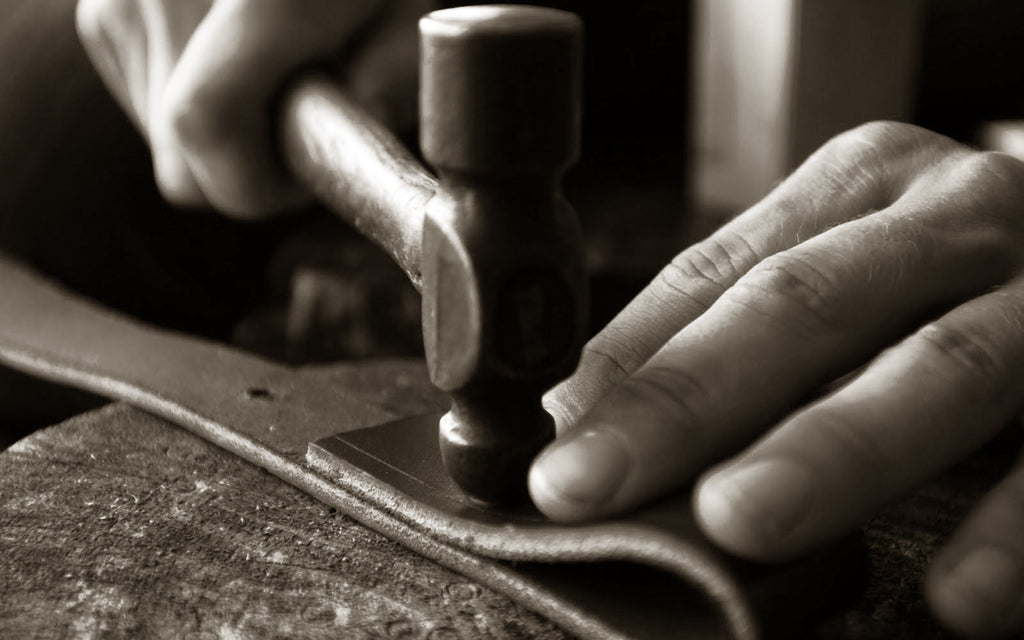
pixel 410 482
pixel 649 575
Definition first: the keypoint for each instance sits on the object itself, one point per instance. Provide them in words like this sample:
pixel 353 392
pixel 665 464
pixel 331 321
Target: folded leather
pixel 334 432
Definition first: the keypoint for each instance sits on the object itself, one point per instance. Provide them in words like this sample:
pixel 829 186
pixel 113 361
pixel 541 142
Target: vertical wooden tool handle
pixel 355 166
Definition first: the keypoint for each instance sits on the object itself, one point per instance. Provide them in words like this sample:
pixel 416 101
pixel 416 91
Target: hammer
pixel 491 243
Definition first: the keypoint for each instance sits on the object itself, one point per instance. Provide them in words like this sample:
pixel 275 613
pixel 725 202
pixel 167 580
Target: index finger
pixel 862 170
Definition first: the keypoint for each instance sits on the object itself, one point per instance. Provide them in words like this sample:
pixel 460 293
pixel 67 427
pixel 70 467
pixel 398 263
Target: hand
pixel 198 78
pixel 892 259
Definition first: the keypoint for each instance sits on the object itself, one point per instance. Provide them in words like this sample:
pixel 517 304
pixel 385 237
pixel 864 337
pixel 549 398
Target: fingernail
pixel 991 581
pixel 587 469
pixel 766 499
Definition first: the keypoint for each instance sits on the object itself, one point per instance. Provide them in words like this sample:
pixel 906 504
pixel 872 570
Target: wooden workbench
pixel 116 524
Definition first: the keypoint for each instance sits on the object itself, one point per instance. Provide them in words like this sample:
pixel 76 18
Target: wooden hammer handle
pixel 355 166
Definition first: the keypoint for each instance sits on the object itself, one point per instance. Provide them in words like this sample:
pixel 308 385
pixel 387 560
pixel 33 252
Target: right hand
pixel 199 77
pixel 854 334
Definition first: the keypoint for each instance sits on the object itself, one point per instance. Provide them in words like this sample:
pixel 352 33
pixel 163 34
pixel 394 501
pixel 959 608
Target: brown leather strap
pixel 328 432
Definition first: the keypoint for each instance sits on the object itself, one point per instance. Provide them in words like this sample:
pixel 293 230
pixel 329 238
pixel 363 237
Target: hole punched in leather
pixel 258 393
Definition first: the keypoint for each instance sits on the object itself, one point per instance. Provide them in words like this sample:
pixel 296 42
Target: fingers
pixel 168 28
pixel 134 45
pixel 215 111
pixel 976 585
pixel 114 38
pixel 383 75
pixel 862 170
pixel 921 406
pixel 684 290
pixel 792 323
pixel 199 78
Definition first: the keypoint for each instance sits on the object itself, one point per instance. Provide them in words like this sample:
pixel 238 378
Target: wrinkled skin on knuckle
pixel 698 277
pixel 712 261
pixel 696 265
pixel 998 170
pixel 688 283
pixel 617 350
pixel 968 356
pixel 715 262
pixel 793 291
pixel 969 206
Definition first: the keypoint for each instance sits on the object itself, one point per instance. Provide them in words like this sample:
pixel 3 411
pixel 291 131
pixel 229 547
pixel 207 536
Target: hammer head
pixel 504 313
pixel 504 283
pixel 500 89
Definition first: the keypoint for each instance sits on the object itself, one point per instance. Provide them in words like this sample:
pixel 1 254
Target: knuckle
pixel 995 165
pixel 848 437
pixel 175 182
pixel 976 200
pixel 967 356
pixel 691 277
pixel 873 156
pixel 618 350
pixel 94 18
pixel 792 290
pixel 996 184
pixel 696 278
pixel 673 392
pixel 705 270
pixel 865 145
pixel 197 116
pixel 184 197
pixel 883 139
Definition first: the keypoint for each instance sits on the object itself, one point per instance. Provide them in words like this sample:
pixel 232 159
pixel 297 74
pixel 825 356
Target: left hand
pixel 893 257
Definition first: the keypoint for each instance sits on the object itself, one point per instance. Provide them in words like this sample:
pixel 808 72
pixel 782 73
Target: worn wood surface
pixel 116 524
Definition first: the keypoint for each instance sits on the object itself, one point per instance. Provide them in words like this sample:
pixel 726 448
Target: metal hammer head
pixel 504 283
